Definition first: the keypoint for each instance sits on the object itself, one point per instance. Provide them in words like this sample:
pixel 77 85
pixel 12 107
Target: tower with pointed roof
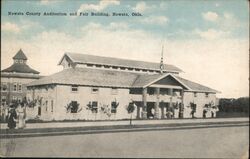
pixel 19 65
pixel 15 78
pixel 20 57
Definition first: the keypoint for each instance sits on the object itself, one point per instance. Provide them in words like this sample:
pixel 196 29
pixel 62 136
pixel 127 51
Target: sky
pixel 207 39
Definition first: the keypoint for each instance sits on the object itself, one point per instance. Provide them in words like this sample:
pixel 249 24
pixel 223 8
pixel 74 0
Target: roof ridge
pixel 117 58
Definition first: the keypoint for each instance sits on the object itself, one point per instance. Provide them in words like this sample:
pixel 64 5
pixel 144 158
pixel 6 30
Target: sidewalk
pixel 124 122
pixel 73 128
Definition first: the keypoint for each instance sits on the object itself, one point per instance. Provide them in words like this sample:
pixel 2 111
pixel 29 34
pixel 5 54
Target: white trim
pixel 168 74
pixel 165 86
pixel 65 54
pixel 199 91
pixel 118 66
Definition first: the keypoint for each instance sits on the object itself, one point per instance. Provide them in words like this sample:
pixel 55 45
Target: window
pixel 105 66
pixel 195 94
pixel 39 111
pixel 135 91
pixel 14 98
pixel 151 91
pixel 20 87
pixel 89 65
pixel 74 107
pixel 206 94
pixel 4 87
pixel 3 98
pixel 94 107
pixel 114 91
pixel 19 99
pixel 95 90
pixel 20 61
pixel 15 87
pixel 52 105
pixel 46 105
pixel 74 88
pixel 113 107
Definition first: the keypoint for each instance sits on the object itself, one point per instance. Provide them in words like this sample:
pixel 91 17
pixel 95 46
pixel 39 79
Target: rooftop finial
pixel 161 64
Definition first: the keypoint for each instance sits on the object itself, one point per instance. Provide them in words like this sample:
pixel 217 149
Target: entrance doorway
pixel 150 106
pixel 39 111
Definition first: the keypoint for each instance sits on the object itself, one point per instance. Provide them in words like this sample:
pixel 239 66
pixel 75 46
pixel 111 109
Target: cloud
pixel 92 26
pixel 140 7
pixel 211 34
pixel 210 16
pixel 10 27
pixel 47 2
pixel 159 20
pixel 18 28
pixel 163 5
pixel 120 25
pixel 98 7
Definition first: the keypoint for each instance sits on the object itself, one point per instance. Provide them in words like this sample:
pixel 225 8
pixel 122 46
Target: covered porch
pixel 162 98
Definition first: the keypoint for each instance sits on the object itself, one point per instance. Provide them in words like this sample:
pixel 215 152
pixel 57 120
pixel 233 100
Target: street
pixel 222 142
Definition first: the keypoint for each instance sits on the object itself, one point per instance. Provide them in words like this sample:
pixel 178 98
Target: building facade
pixel 101 88
pixel 15 78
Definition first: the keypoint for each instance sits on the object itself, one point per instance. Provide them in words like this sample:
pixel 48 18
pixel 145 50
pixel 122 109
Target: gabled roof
pixel 20 55
pixel 93 59
pixel 196 87
pixel 146 80
pixel 89 77
pixel 20 68
pixel 112 78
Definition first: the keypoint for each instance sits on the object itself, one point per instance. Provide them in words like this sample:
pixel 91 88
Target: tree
pixel 73 107
pixel 105 109
pixel 130 108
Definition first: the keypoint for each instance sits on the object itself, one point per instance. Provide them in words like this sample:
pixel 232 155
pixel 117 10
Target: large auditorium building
pixel 101 88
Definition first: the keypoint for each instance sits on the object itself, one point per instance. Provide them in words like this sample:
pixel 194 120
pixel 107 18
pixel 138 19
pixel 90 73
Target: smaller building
pixel 15 78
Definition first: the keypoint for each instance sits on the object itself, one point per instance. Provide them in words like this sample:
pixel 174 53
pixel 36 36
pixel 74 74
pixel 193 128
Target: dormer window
pixel 206 94
pixel 94 90
pixel 74 88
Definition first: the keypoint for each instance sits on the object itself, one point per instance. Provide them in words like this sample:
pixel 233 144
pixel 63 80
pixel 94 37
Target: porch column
pixel 138 116
pixel 182 104
pixel 171 97
pixel 144 102
pixel 157 92
pixel 171 102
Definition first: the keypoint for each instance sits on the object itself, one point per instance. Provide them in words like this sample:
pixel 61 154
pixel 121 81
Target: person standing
pixel 21 115
pixel 12 117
